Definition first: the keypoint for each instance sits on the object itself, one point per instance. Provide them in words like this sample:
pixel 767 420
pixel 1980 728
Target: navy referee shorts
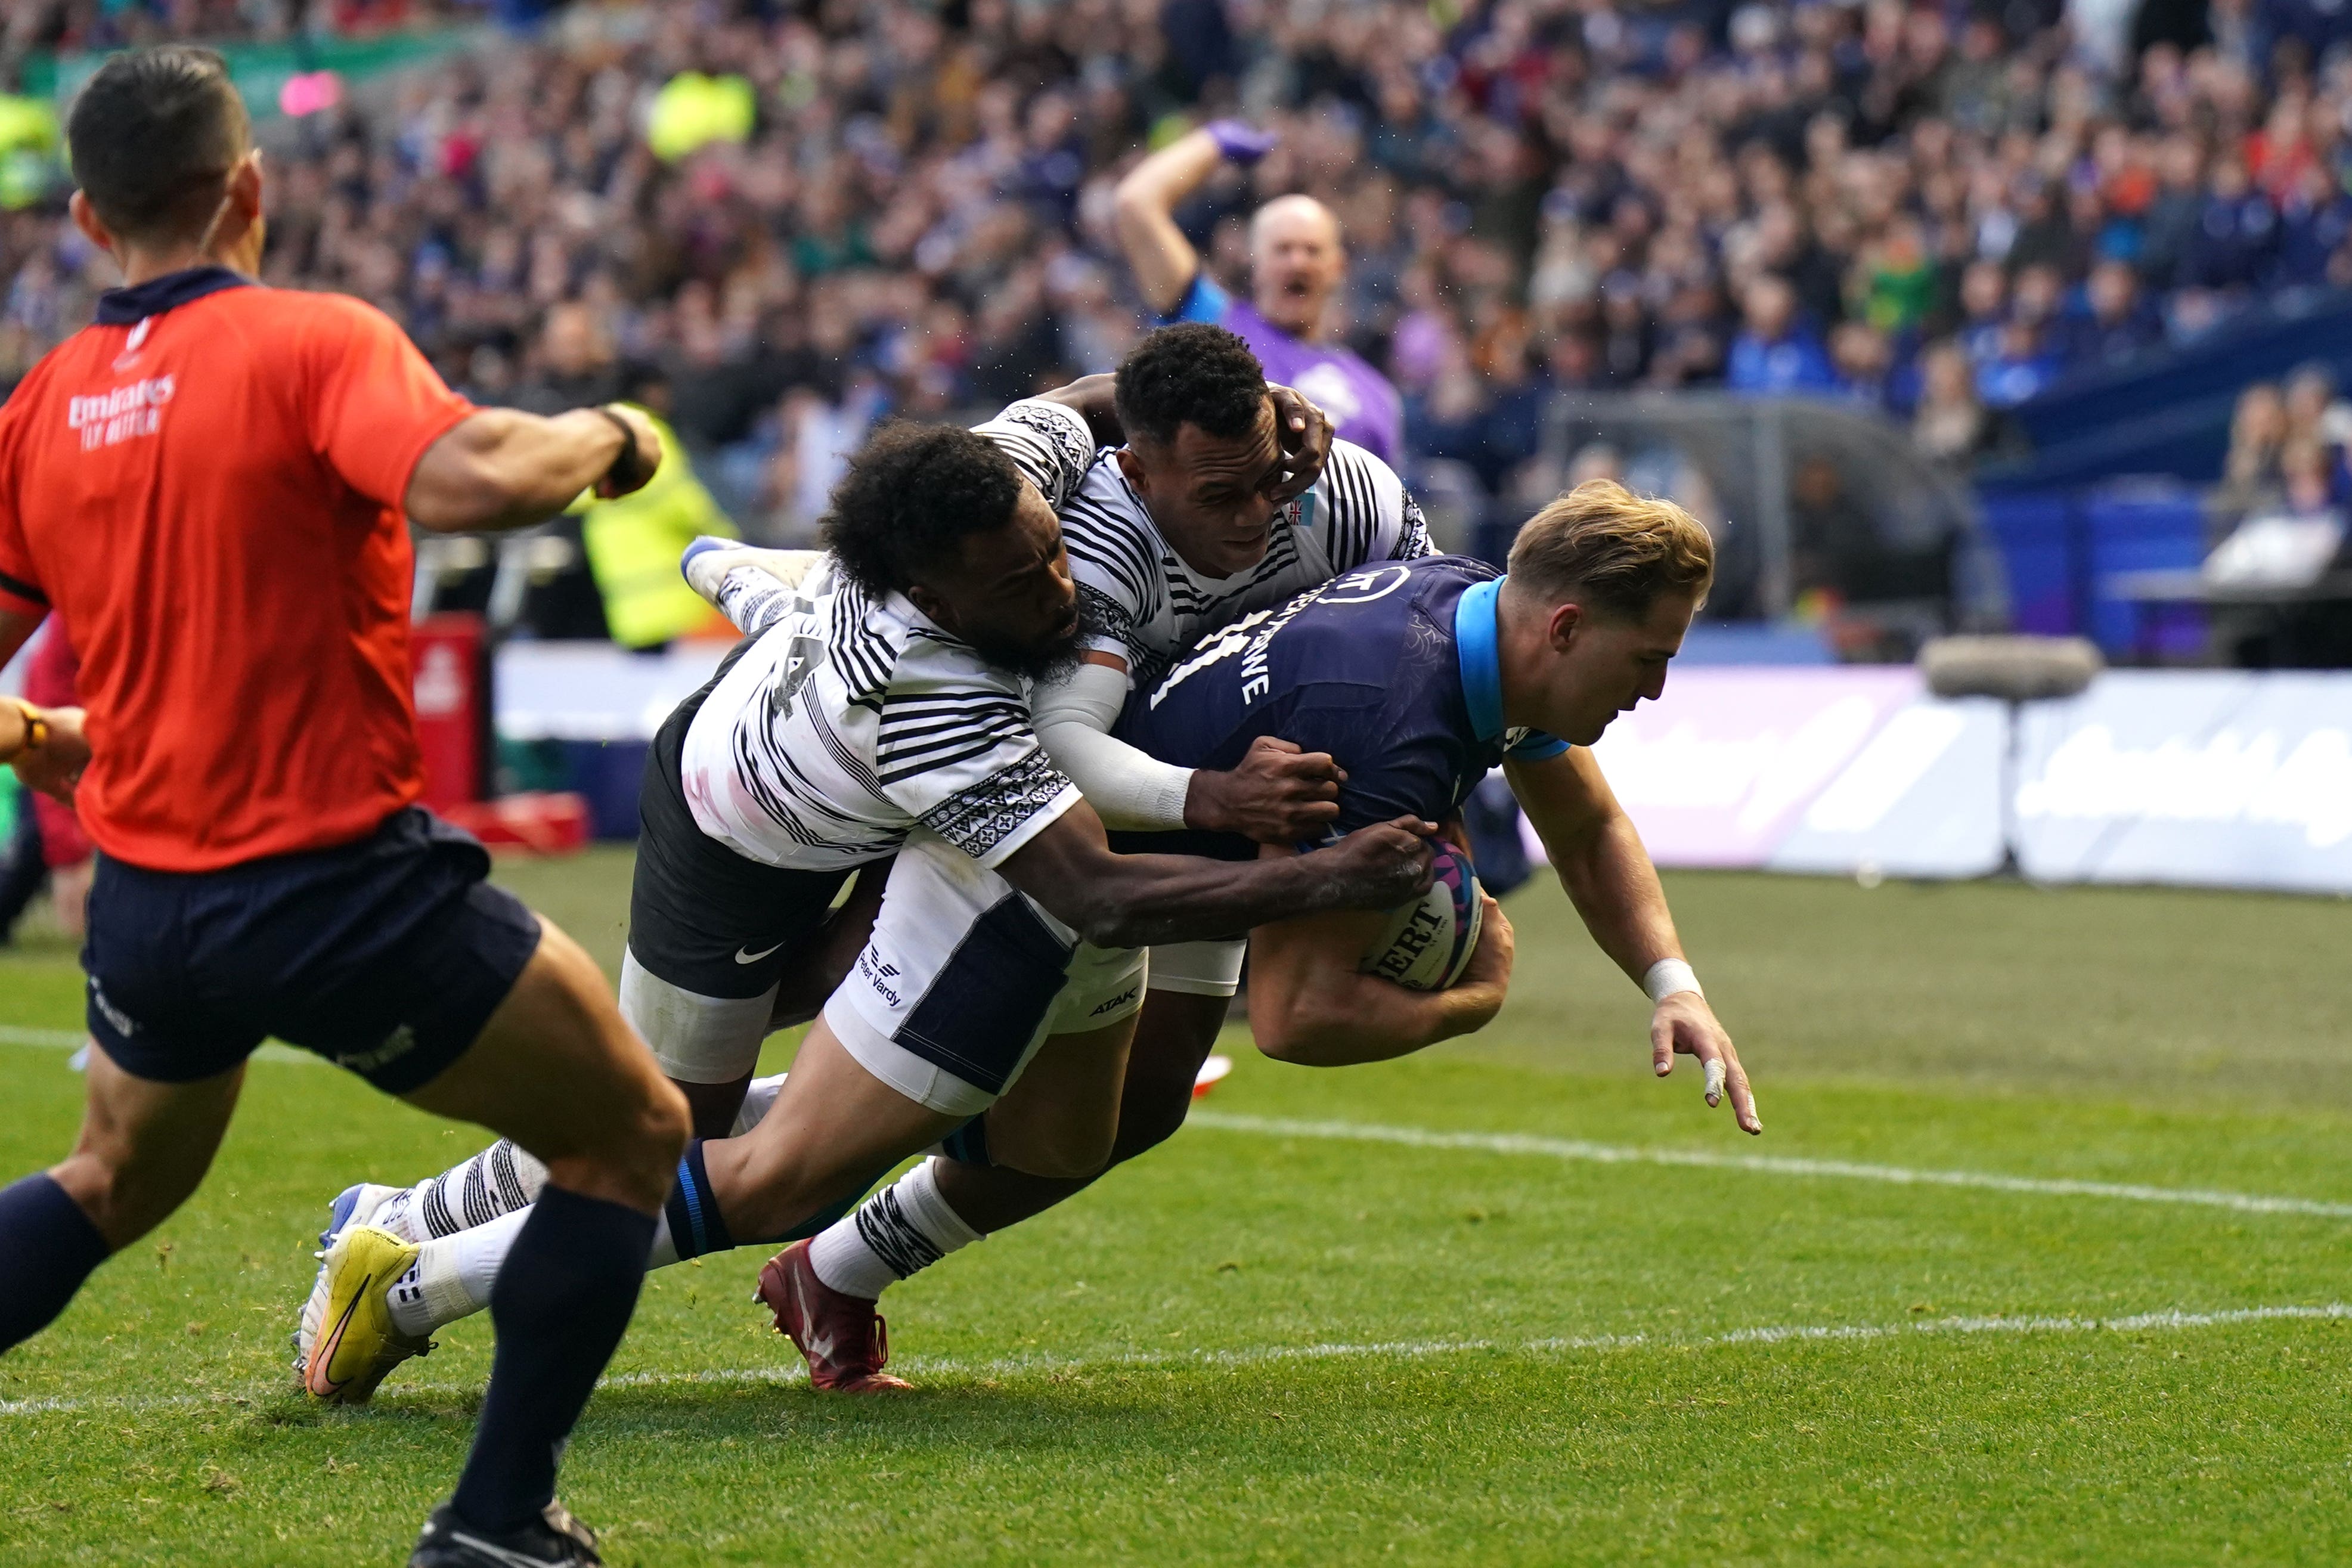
pixel 385 956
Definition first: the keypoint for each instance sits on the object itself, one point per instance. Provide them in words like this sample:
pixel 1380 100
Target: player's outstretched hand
pixel 56 766
pixel 1380 866
pixel 1683 1024
pixel 1276 794
pixel 630 476
pixel 1304 433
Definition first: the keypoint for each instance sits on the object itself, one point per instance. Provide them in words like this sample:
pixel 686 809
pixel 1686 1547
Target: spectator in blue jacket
pixel 2024 367
pixel 1984 308
pixel 2230 249
pixel 2317 220
pixel 2113 323
pixel 1775 355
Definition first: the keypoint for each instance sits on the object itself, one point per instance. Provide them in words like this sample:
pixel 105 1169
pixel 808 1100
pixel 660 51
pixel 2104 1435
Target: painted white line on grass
pixel 1596 1153
pixel 1763 1164
pixel 1380 1350
pixel 46 1039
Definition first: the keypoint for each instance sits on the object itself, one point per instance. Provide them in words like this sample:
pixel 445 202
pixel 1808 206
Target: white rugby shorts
pixel 964 977
pixel 1199 968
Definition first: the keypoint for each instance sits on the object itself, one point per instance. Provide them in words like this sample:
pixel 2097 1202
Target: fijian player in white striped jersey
pixel 884 705
pixel 1174 534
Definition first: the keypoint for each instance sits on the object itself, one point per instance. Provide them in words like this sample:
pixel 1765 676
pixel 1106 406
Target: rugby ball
pixel 1426 944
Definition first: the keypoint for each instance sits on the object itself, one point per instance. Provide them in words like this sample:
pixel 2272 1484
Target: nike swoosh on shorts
pixel 743 955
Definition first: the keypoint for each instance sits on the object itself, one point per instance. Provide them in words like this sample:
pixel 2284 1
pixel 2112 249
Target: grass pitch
pixel 1472 1306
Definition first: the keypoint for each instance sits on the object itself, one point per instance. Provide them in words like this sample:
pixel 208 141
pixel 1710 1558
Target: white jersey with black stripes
pixel 1151 605
pixel 854 721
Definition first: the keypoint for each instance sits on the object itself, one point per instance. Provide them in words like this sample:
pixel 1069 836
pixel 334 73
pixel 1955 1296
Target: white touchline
pixel 1382 1350
pixel 48 1040
pixel 1763 1164
pixel 1595 1153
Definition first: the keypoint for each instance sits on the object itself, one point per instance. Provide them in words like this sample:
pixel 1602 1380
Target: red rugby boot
pixel 842 1338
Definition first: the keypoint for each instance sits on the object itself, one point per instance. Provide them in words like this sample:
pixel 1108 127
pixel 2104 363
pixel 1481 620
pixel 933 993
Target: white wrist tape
pixel 1668 976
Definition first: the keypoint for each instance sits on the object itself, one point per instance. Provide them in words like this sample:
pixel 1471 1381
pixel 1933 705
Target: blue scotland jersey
pixel 1390 668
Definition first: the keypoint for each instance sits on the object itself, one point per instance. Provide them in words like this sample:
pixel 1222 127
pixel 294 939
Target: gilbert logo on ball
pixel 1424 946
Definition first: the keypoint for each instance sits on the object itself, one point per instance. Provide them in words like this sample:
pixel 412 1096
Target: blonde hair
pixel 1614 549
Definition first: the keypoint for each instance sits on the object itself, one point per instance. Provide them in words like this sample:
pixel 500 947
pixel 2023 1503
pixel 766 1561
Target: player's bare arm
pixel 1144 215
pixel 1311 1002
pixel 1134 901
pixel 503 468
pixel 17 629
pixel 1597 855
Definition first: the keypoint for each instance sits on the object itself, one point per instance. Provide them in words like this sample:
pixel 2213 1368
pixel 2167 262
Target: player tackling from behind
pixel 209 484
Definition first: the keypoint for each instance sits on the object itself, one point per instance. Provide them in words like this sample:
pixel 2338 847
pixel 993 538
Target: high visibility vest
pixel 633 543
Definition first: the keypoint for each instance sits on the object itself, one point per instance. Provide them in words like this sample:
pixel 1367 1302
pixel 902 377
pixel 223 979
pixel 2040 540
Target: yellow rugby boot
pixel 347 1341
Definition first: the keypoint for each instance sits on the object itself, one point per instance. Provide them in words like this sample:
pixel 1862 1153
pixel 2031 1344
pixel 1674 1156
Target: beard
pixel 1045 663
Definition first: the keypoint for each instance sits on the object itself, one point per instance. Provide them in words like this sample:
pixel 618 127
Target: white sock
pixel 664 1251
pixel 453 1276
pixel 760 1095
pixel 489 1186
pixel 904 1228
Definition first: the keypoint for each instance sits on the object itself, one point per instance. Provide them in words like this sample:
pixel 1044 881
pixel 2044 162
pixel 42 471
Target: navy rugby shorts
pixel 701 916
pixel 385 956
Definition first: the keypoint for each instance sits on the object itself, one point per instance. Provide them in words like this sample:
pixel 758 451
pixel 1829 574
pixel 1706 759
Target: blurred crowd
pixel 73 25
pixel 806 215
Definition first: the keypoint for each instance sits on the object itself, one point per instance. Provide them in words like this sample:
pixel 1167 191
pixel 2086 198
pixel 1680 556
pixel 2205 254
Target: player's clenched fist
pixel 54 765
pixel 637 459
pixel 1380 866
pixel 1276 794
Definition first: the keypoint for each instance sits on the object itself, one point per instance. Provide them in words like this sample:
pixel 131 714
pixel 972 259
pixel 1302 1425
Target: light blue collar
pixel 1475 636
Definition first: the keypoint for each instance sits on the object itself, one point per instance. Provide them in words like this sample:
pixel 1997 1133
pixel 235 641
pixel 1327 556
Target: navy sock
pixel 561 1304
pixel 47 1247
pixel 692 1209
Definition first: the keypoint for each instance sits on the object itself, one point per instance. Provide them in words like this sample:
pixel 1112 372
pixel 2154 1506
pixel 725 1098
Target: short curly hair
pixel 911 497
pixel 1190 373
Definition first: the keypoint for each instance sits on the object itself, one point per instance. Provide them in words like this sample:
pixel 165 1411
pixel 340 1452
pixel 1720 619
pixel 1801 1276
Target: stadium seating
pixel 1538 197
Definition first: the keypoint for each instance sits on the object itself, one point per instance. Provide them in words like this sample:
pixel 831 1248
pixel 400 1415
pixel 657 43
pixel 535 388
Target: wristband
pixel 36 730
pixel 1669 975
pixel 626 472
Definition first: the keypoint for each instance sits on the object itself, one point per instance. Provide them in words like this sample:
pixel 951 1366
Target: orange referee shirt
pixel 207 485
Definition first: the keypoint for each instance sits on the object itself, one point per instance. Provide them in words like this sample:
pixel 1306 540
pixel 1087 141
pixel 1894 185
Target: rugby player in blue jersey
pixel 1418 677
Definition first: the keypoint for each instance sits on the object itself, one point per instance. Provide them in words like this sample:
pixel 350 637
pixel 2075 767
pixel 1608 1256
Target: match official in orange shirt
pixel 210 484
